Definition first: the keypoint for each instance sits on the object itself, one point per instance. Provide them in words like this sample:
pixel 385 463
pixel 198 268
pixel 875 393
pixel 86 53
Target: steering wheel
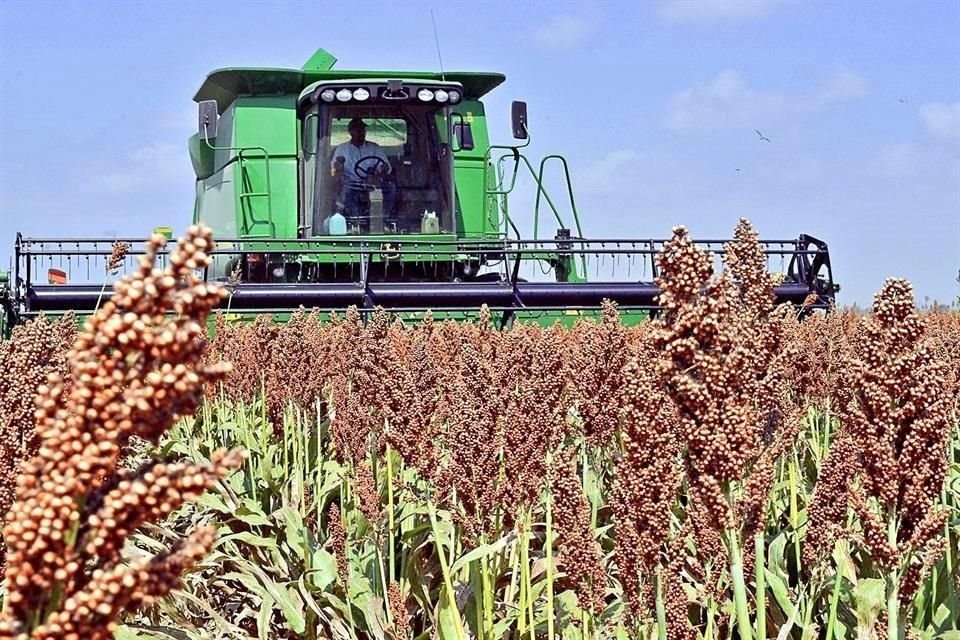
pixel 363 172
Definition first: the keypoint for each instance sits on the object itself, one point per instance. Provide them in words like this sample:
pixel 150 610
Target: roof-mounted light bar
pixel 390 91
pixel 345 95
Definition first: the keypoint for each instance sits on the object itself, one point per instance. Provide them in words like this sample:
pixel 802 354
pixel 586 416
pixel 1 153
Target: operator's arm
pixel 378 151
pixel 338 159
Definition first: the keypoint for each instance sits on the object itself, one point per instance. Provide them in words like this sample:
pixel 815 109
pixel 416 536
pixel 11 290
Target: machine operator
pixel 360 164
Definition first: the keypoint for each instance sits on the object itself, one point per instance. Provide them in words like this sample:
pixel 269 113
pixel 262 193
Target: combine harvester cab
pixel 330 188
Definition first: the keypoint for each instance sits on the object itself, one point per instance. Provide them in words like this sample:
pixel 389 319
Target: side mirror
pixel 462 134
pixel 208 119
pixel 518 113
pixel 309 143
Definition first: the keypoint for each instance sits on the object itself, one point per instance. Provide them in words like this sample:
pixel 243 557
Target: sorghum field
pixel 726 470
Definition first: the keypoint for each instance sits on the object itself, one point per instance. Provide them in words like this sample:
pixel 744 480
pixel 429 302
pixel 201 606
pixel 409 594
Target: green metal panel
pixel 265 172
pixel 267 122
pixel 321 60
pixel 475 220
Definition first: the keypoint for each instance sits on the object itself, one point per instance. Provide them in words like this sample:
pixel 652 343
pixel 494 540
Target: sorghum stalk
pixel 893 581
pixel 949 563
pixel 660 606
pixel 448 591
pixel 118 253
pixel 390 521
pixel 834 602
pixel 739 586
pixel 511 589
pixel 794 508
pixel 486 590
pixel 526 587
pixel 548 546
pixel 761 591
pixel 476 582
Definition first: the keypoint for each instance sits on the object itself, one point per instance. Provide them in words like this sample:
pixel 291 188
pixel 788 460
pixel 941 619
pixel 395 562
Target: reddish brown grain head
pixel 579 551
pixel 135 369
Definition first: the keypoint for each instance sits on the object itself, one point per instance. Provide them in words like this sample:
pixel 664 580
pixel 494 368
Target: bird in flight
pixel 902 101
pixel 762 137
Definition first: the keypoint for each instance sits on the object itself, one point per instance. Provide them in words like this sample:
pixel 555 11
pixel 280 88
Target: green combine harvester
pixel 328 188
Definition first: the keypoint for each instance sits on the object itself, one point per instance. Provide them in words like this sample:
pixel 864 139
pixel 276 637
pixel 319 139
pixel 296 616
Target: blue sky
pixel 654 103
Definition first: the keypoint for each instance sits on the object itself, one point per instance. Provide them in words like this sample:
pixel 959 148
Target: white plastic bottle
pixel 430 223
pixel 338 224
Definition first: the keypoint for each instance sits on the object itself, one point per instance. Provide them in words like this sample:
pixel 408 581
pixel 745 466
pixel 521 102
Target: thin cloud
pixel 149 167
pixel 941 120
pixel 710 12
pixel 899 161
pixel 935 164
pixel 182 119
pixel 727 101
pixel 843 86
pixel 564 32
pixel 605 174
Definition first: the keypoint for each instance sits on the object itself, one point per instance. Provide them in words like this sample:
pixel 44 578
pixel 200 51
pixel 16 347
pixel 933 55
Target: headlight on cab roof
pixel 328 95
pixel 425 95
pixel 360 94
pixel 344 95
pixel 454 96
pixel 441 95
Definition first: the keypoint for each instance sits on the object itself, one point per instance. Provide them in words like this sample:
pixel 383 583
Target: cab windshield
pixel 378 169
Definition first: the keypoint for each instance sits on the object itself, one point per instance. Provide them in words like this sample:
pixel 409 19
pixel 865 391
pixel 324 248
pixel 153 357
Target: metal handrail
pixel 243 178
pixel 257 194
pixel 573 204
pixel 569 182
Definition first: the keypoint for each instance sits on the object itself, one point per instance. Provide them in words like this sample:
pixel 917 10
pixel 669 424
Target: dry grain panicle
pixel 337 537
pixel 827 512
pixel 476 392
pixel 247 347
pixel 579 552
pixel 413 429
pixel 596 359
pixel 900 411
pixel 534 419
pixel 724 364
pixel 705 371
pixel 298 368
pixel 118 253
pixel 648 476
pixel 890 457
pixel 399 615
pixel 135 370
pixel 35 350
pixel 675 599
pixel 359 386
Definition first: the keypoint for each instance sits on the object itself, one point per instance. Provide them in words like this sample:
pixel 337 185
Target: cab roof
pixel 224 85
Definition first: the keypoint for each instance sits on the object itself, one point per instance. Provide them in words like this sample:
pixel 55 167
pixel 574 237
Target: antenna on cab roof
pixel 436 39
